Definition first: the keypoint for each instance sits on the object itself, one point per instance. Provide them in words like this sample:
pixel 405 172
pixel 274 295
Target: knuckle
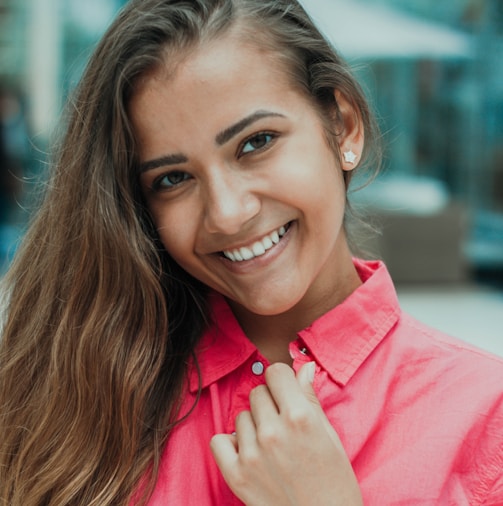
pixel 238 479
pixel 249 458
pixel 268 437
pixel 299 419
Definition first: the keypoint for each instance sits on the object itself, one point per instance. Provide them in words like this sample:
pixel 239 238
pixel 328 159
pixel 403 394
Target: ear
pixel 351 132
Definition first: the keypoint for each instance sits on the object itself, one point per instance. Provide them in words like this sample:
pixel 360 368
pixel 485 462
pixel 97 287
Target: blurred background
pixel 433 72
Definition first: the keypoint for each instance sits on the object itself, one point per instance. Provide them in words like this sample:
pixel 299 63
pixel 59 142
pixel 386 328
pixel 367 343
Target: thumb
pixel 305 377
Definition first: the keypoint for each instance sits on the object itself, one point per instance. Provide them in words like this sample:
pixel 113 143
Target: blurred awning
pixel 376 31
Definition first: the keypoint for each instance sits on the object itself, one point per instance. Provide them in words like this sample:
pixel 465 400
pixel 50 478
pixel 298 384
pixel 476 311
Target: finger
pixel 284 387
pixel 225 452
pixel 305 378
pixel 262 406
pixel 246 434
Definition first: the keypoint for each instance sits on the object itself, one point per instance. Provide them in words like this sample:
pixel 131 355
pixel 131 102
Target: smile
pixel 258 248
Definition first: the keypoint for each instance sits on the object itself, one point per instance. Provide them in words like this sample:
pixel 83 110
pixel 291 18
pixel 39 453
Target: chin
pixel 269 308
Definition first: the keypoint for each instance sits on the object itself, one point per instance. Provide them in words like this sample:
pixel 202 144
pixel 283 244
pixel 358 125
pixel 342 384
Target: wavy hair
pixel 101 324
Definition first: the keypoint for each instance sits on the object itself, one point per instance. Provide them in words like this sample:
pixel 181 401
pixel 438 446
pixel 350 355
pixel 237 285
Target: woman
pixel 194 232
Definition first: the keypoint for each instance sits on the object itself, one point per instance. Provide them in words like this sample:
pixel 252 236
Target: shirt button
pixel 303 351
pixel 257 368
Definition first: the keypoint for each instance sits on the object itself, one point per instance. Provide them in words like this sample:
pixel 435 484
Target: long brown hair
pixel 100 322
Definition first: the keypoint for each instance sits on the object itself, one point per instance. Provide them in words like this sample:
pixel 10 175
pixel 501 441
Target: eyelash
pixel 157 183
pixel 269 138
pixel 272 137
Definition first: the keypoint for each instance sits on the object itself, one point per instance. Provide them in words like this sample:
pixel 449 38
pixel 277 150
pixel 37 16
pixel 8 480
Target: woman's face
pixel 242 186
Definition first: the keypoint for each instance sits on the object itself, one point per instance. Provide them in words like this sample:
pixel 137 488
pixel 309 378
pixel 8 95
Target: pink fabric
pixel 420 414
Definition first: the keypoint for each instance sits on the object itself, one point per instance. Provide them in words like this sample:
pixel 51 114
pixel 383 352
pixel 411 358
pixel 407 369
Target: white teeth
pixel 267 243
pixel 257 249
pixel 246 253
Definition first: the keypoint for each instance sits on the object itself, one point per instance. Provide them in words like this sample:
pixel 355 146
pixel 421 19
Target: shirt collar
pixel 339 341
pixel 342 339
pixel 223 346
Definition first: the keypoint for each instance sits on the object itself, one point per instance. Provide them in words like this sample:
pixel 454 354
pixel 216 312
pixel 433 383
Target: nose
pixel 230 202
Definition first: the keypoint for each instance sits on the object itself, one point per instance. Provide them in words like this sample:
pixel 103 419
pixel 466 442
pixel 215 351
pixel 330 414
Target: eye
pixel 170 180
pixel 256 142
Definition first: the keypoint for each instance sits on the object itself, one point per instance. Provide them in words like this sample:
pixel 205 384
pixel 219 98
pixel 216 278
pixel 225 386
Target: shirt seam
pixel 452 342
pixel 381 331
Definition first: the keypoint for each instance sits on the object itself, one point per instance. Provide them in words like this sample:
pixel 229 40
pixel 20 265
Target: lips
pixel 258 248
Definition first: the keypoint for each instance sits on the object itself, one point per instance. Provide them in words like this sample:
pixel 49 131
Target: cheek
pixel 316 185
pixel 325 202
pixel 174 226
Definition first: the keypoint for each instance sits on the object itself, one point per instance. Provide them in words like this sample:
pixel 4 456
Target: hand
pixel 285 452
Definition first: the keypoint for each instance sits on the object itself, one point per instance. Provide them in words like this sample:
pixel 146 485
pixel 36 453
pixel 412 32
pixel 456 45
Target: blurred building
pixel 434 72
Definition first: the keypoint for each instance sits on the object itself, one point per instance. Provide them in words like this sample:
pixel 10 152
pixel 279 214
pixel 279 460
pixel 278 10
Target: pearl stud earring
pixel 349 156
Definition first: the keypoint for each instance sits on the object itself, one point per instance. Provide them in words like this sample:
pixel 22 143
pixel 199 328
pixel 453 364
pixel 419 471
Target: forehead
pixel 200 61
pixel 225 77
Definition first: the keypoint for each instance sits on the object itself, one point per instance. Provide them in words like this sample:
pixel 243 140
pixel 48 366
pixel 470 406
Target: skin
pixel 230 151
pixel 285 452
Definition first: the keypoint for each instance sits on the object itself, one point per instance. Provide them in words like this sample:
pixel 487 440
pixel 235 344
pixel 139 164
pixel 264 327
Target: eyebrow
pixel 223 137
pixel 162 162
pixel 227 134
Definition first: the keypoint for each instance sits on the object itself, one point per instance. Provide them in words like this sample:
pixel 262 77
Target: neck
pixel 273 333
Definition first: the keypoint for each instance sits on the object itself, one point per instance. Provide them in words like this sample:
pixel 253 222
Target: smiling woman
pixel 230 156
pixel 186 307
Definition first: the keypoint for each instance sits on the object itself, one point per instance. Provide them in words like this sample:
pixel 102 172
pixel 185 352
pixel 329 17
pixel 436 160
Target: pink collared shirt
pixel 420 414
